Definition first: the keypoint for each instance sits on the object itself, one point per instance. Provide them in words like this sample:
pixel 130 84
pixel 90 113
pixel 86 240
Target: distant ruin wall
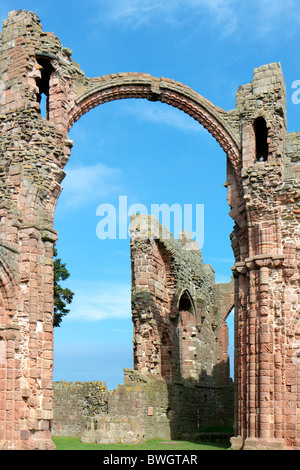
pixel 142 408
pixel 73 403
pixel 178 311
pixel 181 381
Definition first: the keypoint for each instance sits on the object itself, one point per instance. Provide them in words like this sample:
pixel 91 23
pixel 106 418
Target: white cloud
pixel 193 14
pixel 159 113
pixel 277 14
pixel 137 13
pixel 100 300
pixel 88 183
pixel 140 12
pixel 230 16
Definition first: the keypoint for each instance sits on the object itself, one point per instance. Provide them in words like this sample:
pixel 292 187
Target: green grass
pixel 70 443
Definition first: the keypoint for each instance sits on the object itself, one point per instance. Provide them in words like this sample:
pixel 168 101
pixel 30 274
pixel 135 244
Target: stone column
pixel 240 359
pixel 264 380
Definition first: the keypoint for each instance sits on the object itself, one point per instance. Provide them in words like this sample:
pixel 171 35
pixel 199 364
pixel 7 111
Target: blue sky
pixel 149 152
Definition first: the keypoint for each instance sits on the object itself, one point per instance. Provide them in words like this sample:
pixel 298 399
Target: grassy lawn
pixel 70 443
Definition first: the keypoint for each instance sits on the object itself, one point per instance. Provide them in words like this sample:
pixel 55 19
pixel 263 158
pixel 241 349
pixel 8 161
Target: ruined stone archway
pixel 263 197
pixel 139 85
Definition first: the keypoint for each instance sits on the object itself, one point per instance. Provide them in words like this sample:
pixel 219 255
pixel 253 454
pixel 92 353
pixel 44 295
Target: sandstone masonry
pixel 263 171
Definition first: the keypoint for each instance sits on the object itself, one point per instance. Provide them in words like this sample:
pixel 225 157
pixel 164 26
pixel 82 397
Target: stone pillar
pixel 27 333
pixel 34 151
pixel 265 267
pixel 265 379
pixel 258 379
pixel 242 361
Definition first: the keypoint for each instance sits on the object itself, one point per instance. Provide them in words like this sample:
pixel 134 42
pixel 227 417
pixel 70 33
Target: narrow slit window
pixel 43 85
pixel 261 139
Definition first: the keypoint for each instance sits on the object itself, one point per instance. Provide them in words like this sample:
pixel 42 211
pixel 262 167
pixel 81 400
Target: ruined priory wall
pixel 176 310
pixel 145 407
pixel 267 269
pixel 73 403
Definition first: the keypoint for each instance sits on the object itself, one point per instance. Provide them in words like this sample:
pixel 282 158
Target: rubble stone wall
pixel 175 309
pixel 73 403
pixel 142 408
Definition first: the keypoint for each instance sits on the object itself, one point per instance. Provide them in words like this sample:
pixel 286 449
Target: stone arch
pixel 186 302
pixel 186 325
pixel 140 85
pixel 216 121
pixel 227 309
pixel 225 301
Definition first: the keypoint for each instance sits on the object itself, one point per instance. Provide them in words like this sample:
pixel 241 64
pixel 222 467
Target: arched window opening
pixel 43 85
pixel 186 337
pixel 261 139
pixel 185 303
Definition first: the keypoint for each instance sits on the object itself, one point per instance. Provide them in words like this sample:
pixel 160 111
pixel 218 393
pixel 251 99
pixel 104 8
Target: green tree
pixel 62 296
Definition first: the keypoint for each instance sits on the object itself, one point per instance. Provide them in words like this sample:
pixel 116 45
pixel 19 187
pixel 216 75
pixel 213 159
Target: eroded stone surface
pixel 263 195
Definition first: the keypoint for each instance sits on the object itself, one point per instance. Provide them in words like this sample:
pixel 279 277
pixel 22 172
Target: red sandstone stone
pixel 263 203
